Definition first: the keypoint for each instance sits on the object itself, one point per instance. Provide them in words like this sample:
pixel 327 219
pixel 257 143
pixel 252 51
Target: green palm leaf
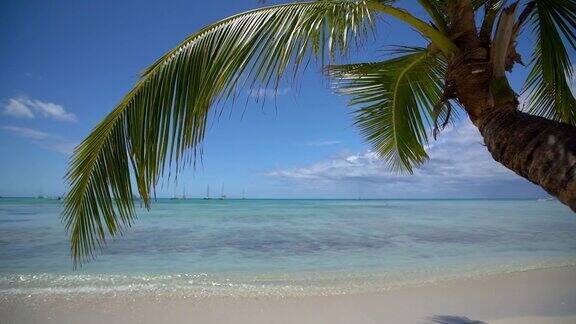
pixel 548 86
pixel 163 118
pixel 396 99
pixel 442 5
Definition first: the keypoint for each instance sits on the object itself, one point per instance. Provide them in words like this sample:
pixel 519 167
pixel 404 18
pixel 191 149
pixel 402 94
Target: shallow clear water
pixel 287 246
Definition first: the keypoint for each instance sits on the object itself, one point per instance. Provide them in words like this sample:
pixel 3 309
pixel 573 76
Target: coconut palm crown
pixel 159 126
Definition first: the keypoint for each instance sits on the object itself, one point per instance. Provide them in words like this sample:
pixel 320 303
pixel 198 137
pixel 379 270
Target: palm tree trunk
pixel 538 149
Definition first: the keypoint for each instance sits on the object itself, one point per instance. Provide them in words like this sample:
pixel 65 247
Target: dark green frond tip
pixel 162 121
pixel 395 100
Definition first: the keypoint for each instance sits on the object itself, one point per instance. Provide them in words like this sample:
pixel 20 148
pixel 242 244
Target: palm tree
pixel 160 124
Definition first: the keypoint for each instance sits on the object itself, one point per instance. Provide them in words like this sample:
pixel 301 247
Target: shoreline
pixel 529 296
pixel 299 284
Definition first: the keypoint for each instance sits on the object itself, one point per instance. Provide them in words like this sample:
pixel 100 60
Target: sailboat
pixel 222 195
pixel 174 195
pixel 40 194
pixel 184 193
pixel 207 193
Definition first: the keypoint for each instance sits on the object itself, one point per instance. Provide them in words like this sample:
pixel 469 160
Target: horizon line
pixel 51 197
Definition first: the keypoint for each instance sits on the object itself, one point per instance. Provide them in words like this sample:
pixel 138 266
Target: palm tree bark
pixel 538 149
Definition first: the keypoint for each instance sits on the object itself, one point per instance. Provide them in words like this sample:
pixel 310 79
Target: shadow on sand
pixel 453 319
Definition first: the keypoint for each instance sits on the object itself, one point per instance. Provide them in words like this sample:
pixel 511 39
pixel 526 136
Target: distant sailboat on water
pixel 207 197
pixel 174 195
pixel 222 195
pixel 40 194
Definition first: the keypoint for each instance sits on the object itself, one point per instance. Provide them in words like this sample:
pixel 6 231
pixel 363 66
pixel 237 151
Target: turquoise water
pixel 287 246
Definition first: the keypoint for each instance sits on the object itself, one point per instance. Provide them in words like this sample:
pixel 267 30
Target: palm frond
pixel 477 4
pixel 491 9
pixel 163 119
pixel 437 11
pixel 396 100
pixel 442 5
pixel 548 84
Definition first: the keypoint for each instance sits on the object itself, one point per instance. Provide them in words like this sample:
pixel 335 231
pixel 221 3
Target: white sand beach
pixel 536 296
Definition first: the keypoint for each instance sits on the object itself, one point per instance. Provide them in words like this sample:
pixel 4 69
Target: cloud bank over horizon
pixel 459 166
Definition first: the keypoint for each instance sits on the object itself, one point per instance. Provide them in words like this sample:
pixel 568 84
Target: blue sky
pixel 66 64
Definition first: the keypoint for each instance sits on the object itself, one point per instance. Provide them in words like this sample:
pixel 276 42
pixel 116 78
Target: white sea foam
pixel 285 285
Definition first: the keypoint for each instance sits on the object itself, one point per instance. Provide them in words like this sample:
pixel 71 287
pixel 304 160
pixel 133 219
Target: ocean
pixel 286 247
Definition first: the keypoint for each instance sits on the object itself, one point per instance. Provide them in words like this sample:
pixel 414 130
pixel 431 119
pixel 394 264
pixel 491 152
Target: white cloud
pixel 323 143
pixel 269 93
pixel 25 107
pixel 51 110
pixel 459 165
pixel 42 139
pixel 26 132
pixel 16 108
pixel 66 147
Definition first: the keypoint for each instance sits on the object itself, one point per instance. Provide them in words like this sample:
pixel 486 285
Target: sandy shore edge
pixel 533 296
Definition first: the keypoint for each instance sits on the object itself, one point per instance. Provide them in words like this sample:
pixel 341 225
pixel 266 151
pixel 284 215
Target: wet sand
pixel 536 296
